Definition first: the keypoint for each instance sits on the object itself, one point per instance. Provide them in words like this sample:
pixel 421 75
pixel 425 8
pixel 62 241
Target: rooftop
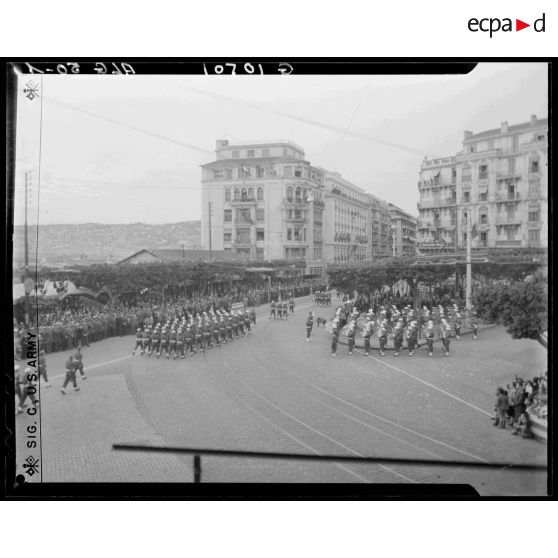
pixel 513 129
pixel 256 143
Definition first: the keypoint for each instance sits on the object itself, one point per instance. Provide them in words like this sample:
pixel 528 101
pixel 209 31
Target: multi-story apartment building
pixel 404 232
pixel 380 228
pixel 346 220
pixel 437 206
pixel 500 181
pixel 263 200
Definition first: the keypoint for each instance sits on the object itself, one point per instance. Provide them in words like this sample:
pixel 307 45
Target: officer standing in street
pixel 43 367
pixel 309 326
pixel 70 375
pixel 429 333
pixel 398 337
pixel 78 360
pixel 366 333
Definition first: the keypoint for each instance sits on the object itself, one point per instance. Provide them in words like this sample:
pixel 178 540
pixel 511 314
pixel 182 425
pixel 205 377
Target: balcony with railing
pixel 241 201
pixel 243 221
pixel 437 202
pixel 508 220
pixel 293 203
pixel 511 197
pixel 296 219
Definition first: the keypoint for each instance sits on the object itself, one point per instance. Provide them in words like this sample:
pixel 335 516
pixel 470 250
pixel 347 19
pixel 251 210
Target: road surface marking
pixel 430 385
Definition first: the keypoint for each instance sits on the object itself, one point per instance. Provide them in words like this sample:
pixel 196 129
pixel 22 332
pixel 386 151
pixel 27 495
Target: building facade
pixel 381 239
pixel 263 201
pixel 497 182
pixel 404 232
pixel 346 220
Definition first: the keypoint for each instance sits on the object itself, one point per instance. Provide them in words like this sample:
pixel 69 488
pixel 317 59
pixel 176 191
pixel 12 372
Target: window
pixel 483 219
pixel 290 193
pixel 259 234
pixel 466 197
pixel 243 236
pixel 483 196
pixel 534 166
pixel 539 137
pixel 511 165
pixel 260 194
pixel 534 235
pixel 510 233
pixel 243 215
pixel 236 154
pixel 250 153
pixel 228 215
pixel 471 148
pixel 259 214
pixel 483 239
pixel 243 194
pixel 515 143
pixel 289 234
pixel 227 195
pixel 265 152
pixel 453 174
pixel 534 216
pixel 483 171
pixel 251 193
pixel 227 237
pixel 535 189
pixel 466 173
pixel 298 172
pixel 229 174
pixel 259 172
pixel 236 194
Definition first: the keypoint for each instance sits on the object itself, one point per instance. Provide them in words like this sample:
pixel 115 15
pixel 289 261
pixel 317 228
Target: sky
pixel 126 149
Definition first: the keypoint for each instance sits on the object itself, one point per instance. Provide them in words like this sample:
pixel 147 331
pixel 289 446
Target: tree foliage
pixel 520 306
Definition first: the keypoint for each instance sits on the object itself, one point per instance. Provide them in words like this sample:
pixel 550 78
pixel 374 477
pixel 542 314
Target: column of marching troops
pixel 180 336
pixel 399 325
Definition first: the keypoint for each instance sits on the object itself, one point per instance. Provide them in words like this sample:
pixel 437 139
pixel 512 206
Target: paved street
pixel 272 391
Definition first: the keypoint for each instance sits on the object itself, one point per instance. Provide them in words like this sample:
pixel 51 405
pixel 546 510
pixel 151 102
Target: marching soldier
pixel 189 340
pixel 222 329
pixel 70 375
pixel 272 310
pixel 398 337
pixel 351 337
pixel 309 326
pixel 156 341
pixel 43 367
pixel 147 341
pixel 457 325
pixel 366 332
pixel 229 326
pixel 410 339
pixel 334 337
pixel 475 326
pixel 172 344
pixel 139 341
pixel 429 333
pixel 444 336
pixel 291 305
pixel 247 322
pixel 180 344
pixel 382 336
pixel 253 315
pixel 78 360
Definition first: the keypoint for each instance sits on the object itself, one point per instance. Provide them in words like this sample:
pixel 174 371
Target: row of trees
pixel 135 278
pixel 372 277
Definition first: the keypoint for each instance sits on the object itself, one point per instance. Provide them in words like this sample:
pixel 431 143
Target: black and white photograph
pixel 254 273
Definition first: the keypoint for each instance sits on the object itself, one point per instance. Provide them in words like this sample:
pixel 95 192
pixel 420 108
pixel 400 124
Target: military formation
pixel 322 298
pixel 189 335
pixel 401 326
pixel 280 309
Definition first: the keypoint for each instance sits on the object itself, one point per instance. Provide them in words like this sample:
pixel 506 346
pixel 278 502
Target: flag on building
pixel 474 231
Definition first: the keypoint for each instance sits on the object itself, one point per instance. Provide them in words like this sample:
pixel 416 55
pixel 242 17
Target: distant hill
pixel 98 243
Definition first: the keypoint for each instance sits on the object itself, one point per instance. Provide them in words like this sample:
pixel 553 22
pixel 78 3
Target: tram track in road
pixel 277 408
pixel 378 417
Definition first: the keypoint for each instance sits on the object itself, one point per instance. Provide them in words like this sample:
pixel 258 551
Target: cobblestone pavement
pixel 273 391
